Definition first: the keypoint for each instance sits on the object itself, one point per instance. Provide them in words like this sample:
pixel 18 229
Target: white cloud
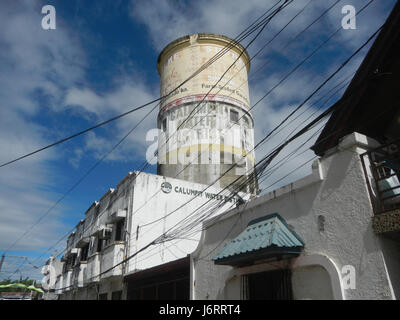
pixel 130 94
pixel 52 64
pixel 33 61
pixel 168 20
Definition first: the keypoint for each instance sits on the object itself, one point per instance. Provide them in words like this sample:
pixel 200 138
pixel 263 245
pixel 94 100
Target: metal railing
pixel 382 170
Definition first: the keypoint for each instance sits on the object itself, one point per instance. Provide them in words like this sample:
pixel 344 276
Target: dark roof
pixel 370 104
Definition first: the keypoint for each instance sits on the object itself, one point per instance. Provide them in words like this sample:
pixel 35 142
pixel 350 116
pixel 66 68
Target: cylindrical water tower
pixel 216 134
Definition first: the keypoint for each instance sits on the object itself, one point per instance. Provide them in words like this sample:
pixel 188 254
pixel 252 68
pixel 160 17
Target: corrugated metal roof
pixel 267 234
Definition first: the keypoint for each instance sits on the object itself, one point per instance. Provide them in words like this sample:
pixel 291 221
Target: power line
pixel 310 96
pixel 303 163
pixel 286 118
pixel 341 86
pixel 162 238
pixel 259 69
pixel 97 163
pixel 262 25
pixel 339 130
pixel 228 68
pixel 157 240
pixel 293 70
pixel 231 43
pixel 146 164
pixel 306 128
pixel 342 65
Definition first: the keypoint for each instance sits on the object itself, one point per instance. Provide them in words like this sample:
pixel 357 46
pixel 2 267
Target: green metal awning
pixel 268 237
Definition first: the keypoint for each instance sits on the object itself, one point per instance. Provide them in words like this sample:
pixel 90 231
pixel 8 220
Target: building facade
pixel 334 234
pixel 342 256
pixel 121 224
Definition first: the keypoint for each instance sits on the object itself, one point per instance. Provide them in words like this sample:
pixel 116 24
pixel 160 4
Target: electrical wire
pixel 262 25
pixel 297 66
pixel 98 162
pixel 210 90
pixel 251 27
pixel 378 30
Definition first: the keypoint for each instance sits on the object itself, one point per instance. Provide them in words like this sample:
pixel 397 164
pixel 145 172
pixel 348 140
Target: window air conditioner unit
pixel 105 233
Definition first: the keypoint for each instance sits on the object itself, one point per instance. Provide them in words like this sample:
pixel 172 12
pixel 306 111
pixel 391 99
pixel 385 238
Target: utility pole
pixel 2 259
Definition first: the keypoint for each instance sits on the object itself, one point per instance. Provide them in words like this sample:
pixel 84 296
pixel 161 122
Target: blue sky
pixel 101 61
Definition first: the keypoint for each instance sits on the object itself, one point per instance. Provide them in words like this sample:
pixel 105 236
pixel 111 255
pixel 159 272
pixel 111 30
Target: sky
pixel 100 61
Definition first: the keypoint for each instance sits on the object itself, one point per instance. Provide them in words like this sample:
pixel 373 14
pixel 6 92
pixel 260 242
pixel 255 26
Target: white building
pixel 330 211
pixel 334 234
pixel 141 208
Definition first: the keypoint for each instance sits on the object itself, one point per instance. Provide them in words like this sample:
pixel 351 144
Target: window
pixel 271 285
pixel 234 116
pixel 69 263
pixel 164 125
pixel 99 245
pixel 92 244
pixel 172 283
pixel 84 253
pixel 103 296
pixel 116 295
pixel 73 260
pixel 119 230
pixel 178 289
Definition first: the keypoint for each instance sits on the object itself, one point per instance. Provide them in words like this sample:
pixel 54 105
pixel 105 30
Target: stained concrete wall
pixel 337 191
pixel 91 292
pixel 311 283
pixel 206 146
pixel 157 210
pixel 220 120
pixel 145 201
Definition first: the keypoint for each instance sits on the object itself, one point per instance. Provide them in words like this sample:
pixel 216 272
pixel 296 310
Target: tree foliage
pixel 25 281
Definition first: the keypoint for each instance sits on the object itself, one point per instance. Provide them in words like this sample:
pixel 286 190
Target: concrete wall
pixel 91 292
pixel 93 268
pixel 336 191
pixel 207 145
pixel 311 283
pixel 110 286
pixel 143 199
pixel 111 256
pixel 154 206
